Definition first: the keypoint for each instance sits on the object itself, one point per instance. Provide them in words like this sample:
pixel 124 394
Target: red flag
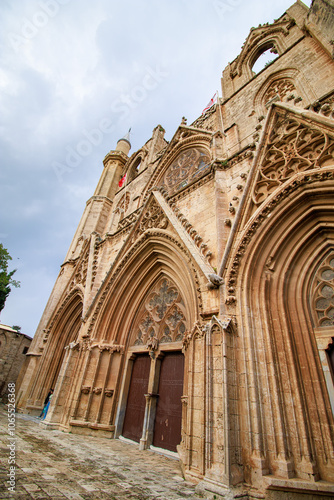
pixel 213 100
pixel 121 182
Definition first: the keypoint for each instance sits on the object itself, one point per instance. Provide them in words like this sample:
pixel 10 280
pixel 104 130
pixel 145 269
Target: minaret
pixel 124 144
pixel 99 206
pixel 113 168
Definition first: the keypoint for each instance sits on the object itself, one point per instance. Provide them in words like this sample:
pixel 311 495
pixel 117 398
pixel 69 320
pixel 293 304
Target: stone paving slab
pixel 59 465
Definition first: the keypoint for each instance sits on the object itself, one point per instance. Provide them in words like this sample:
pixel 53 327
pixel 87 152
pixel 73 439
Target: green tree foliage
pixel 6 278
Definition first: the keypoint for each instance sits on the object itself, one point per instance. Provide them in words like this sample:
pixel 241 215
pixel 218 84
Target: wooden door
pixel 135 407
pixel 167 429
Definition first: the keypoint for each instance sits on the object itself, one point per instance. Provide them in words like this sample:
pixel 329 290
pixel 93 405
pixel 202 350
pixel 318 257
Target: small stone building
pixel 13 348
pixel 194 311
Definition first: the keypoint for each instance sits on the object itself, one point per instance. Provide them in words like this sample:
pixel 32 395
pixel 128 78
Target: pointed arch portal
pixel 148 308
pixel 290 265
pixel 155 369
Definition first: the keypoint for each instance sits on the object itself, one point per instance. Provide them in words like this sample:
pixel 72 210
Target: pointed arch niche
pixel 64 328
pixel 288 85
pixel 282 340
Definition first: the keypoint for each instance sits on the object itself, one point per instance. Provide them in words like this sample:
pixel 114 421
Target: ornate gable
pixel 294 141
pixel 267 36
pixel 159 214
pixel 297 149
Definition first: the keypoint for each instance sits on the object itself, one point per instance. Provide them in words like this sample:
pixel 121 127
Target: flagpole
pixel 222 124
pixel 126 183
pixel 220 114
pixel 126 179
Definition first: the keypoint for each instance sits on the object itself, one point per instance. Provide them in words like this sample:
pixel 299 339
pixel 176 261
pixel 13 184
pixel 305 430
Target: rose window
pixel 190 165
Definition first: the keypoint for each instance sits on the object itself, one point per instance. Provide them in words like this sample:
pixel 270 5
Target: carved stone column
pixel 148 426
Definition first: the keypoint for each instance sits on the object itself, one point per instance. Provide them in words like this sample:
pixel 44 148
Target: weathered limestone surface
pixel 13 348
pixel 213 256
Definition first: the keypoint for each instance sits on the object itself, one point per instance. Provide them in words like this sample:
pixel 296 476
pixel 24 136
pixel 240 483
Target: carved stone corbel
pixel 108 392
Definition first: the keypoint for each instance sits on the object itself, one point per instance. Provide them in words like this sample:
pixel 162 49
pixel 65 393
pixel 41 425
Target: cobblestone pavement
pixel 59 465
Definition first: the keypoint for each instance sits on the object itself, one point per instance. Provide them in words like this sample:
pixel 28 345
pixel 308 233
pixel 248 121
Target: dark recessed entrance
pixel 167 428
pixel 135 407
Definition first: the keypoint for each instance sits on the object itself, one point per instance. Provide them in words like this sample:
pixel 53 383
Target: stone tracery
pixel 162 315
pixel 187 167
pixel 292 147
pixel 280 89
pixel 153 217
pixel 323 293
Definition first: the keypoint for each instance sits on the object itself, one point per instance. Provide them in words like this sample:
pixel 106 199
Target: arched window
pixel 189 165
pixel 264 56
pixel 323 294
pixel 135 168
pixel 162 315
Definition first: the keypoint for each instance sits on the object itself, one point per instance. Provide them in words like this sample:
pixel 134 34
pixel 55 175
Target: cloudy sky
pixel 74 76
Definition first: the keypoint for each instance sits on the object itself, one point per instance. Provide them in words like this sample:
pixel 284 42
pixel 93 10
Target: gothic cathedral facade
pixel 194 311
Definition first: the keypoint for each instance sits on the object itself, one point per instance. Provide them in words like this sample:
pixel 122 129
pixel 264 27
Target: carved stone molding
pixel 66 301
pixel 202 122
pixel 85 389
pixel 198 331
pixel 108 393
pixel 197 238
pixel 121 265
pixel 323 292
pixel 300 180
pixel 85 344
pixel 106 347
pixel 80 273
pixel 184 400
pixel 95 261
pixel 279 89
pixel 324 106
pixel 224 323
pixel 129 220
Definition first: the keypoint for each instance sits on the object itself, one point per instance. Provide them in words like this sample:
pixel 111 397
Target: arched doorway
pixel 155 369
pixel 291 424
pixel 63 330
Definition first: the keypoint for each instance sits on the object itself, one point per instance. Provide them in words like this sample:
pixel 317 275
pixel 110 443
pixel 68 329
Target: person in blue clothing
pixel 46 405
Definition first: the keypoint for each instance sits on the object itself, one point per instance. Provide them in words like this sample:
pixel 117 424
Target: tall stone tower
pixel 194 310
